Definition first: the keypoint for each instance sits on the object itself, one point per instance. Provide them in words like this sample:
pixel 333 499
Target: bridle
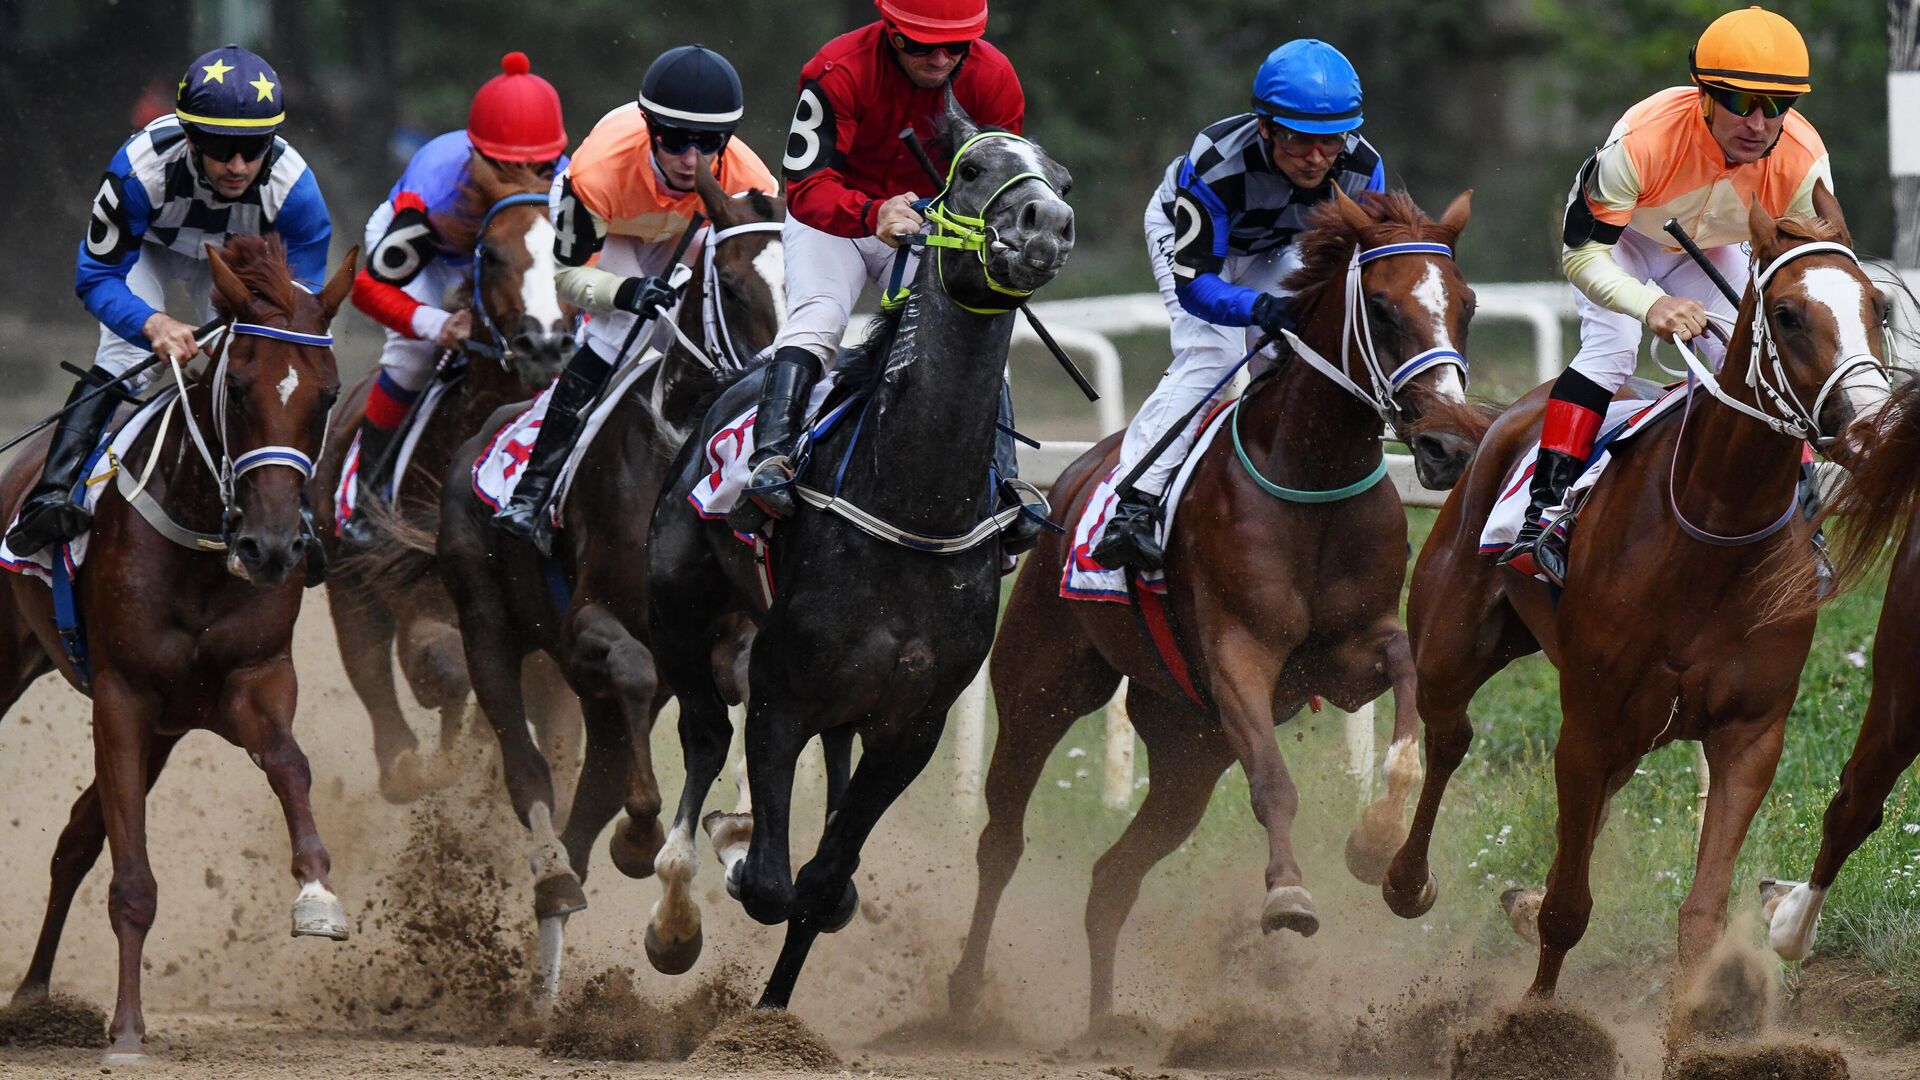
pixel 722 351
pixel 493 345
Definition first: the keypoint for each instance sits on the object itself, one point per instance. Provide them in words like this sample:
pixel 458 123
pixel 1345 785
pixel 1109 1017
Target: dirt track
pixel 435 977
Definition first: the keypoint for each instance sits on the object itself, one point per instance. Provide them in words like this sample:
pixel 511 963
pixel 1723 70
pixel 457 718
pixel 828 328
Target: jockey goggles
pixel 1743 102
pixel 1298 144
pixel 225 147
pixel 920 48
pixel 676 140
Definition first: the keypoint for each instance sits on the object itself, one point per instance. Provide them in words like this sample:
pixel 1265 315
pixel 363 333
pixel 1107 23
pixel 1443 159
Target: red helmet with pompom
pixel 516 115
pixel 936 21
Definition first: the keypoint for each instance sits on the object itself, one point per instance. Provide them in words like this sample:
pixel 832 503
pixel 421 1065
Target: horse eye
pixel 1786 318
pixel 969 172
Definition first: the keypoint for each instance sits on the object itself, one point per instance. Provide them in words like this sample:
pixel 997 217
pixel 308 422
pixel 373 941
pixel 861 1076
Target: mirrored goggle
pixel 224 147
pixel 1743 102
pixel 676 140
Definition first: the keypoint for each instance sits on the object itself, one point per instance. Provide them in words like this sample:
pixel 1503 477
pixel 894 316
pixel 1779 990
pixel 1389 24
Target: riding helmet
pixel 692 88
pixel 515 115
pixel 1754 49
pixel 1307 85
pixel 936 21
pixel 230 91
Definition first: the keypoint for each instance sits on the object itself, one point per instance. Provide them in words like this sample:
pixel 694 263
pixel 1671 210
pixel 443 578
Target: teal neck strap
pixel 1288 494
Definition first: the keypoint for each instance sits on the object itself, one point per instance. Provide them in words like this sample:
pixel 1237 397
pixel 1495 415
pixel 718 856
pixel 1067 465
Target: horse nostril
pixel 1029 216
pixel 248 550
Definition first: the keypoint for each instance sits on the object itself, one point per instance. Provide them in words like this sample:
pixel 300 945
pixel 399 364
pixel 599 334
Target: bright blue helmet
pixel 1308 86
pixel 230 91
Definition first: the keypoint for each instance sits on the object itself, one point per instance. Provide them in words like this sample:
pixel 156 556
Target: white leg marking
pixel 319 913
pixel 675 916
pixel 553 934
pixel 1795 919
pixel 548 858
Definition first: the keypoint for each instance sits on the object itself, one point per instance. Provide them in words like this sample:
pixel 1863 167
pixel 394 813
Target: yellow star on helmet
pixel 266 88
pixel 216 72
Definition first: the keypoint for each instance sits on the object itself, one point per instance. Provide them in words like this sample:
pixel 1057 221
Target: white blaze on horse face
pixel 288 385
pixel 771 264
pixel 537 290
pixel 1842 294
pixel 1432 295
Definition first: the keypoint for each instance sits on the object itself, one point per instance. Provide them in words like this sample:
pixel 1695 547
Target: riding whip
pixel 111 386
pixel 1066 362
pixel 1125 486
pixel 1679 233
pixel 673 265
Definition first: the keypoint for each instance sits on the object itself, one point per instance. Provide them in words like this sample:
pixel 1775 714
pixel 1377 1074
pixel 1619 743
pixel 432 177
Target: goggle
pixel 1300 143
pixel 225 147
pixel 920 48
pixel 676 140
pixel 1743 102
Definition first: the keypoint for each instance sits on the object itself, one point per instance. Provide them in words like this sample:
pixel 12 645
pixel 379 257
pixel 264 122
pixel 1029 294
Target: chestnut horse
pixel 1663 630
pixel 1282 592
pixel 193 629
pixel 586 608
pixel 385 595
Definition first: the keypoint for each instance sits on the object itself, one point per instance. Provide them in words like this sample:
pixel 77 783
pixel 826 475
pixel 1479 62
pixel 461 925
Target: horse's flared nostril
pixel 248 551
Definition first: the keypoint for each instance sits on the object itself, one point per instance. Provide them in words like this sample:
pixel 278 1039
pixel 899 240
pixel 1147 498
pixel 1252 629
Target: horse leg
pixel 73 857
pixel 763 880
pixel 1182 771
pixel 823 892
pixel 558 724
pixel 620 671
pixel 1038 696
pixel 364 630
pixel 1246 670
pixel 123 722
pixel 673 938
pixel 1586 770
pixel 1381 830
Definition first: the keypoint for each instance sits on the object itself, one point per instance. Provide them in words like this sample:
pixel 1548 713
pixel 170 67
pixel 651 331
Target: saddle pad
pixel 497 471
pixel 104 463
pixel 1085 579
pixel 1624 420
pixel 728 450
pixel 344 495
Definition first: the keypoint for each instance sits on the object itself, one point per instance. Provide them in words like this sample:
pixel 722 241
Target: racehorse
pixel 1662 631
pixel 882 607
pixel 586 607
pixel 1286 585
pixel 188 596
pixel 520 333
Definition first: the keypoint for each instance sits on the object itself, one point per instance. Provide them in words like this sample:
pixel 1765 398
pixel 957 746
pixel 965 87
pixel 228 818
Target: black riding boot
pixel 1024 531
pixel 1546 548
pixel 776 434
pixel 370 482
pixel 51 514
pixel 525 515
pixel 1130 538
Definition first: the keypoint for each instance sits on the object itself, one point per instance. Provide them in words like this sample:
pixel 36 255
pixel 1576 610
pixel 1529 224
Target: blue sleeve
pixel 1213 298
pixel 307 229
pixel 109 250
pixel 1202 226
pixel 1379 180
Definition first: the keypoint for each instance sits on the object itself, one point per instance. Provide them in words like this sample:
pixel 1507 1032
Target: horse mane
pixel 260 262
pixel 761 202
pixel 487 183
pixel 1810 228
pixel 1327 245
pixel 862 366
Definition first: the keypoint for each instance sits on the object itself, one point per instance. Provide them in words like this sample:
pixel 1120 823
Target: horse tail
pixel 1467 419
pixel 403 554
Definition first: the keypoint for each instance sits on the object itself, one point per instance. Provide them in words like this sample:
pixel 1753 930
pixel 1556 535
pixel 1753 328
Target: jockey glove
pixel 644 296
pixel 1273 314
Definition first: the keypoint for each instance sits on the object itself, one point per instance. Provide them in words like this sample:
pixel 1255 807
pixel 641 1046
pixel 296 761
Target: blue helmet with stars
pixel 230 91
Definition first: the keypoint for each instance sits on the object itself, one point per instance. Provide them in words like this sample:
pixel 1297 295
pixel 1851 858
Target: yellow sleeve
pixel 587 287
pixel 1803 195
pixel 1593 270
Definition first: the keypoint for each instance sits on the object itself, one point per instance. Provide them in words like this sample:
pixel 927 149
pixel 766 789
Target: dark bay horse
pixel 863 635
pixel 193 631
pixel 1280 598
pixel 1663 631
pixel 587 607
pixel 519 339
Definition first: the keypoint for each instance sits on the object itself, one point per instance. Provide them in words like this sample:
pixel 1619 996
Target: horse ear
pixel 338 285
pixel 228 284
pixel 1454 221
pixel 1762 230
pixel 1352 215
pixel 959 127
pixel 711 194
pixel 1828 209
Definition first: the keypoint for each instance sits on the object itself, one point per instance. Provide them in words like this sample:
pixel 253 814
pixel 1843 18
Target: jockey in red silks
pixel 851 185
pixel 515 118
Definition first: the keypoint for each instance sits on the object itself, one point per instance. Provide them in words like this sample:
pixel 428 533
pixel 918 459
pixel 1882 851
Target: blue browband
pixel 1409 248
pixel 324 341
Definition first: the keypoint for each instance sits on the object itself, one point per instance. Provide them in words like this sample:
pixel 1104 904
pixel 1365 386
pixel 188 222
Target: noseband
pixel 1357 330
pixel 494 346
pixel 955 231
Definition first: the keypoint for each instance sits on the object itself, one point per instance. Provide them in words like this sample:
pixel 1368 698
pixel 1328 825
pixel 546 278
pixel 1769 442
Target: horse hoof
pixel 125 1057
pixel 401 781
pixel 1368 856
pixel 726 831
pixel 319 913
pixel 633 847
pixel 1792 911
pixel 672 957
pixel 1772 892
pixel 849 907
pixel 1523 912
pixel 1289 907
pixel 558 895
pixel 1411 908
pixel 963 992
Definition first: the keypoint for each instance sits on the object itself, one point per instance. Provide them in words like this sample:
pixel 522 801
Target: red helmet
pixel 516 115
pixel 936 21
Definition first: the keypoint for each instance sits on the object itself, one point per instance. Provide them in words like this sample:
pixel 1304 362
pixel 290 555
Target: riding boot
pixel 1810 502
pixel 1130 538
pixel 1537 547
pixel 525 515
pixel 51 513
pixel 1024 531
pixel 776 434
pixel 369 482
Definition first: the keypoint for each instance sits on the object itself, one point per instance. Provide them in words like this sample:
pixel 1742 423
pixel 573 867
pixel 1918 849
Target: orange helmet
pixel 1754 49
pixel 936 21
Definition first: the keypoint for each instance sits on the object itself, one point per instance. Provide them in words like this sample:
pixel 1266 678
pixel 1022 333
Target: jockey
pixel 851 185
pixel 515 118
pixel 211 169
pixel 1220 232
pixel 1698 154
pixel 627 196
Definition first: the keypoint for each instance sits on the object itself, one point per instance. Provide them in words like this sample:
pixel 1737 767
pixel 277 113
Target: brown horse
pixel 1879 499
pixel 505 592
pixel 1662 632
pixel 193 630
pixel 385 594
pixel 1280 598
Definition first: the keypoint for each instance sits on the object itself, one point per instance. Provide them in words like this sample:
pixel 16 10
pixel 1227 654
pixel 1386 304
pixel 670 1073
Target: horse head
pixel 1413 308
pixel 743 294
pixel 1824 318
pixel 1012 196
pixel 271 394
pixel 518 314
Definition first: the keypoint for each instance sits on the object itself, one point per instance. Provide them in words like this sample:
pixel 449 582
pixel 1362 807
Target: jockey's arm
pixel 1802 202
pixel 400 241
pixel 578 234
pixel 1602 201
pixel 825 122
pixel 307 228
pixel 1201 226
pixel 110 248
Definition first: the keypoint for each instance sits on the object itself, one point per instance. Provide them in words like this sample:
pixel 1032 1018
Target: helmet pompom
pixel 515 63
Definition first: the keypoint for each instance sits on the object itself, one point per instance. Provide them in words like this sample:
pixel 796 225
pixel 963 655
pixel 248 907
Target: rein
pixel 494 346
pixel 968 233
pixel 727 356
